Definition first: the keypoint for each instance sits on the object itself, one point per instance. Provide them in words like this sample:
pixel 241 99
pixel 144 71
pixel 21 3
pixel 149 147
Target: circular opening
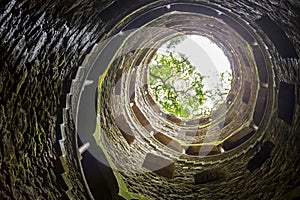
pixel 189 76
pixel 127 126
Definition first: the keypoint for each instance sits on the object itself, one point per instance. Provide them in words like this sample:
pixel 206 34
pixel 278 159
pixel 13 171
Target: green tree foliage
pixel 176 86
pixel 171 45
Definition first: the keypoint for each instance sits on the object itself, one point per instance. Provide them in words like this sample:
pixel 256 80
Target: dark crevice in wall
pixel 99 176
pixel 195 8
pixel 260 105
pixel 286 102
pixel 261 65
pixel 159 165
pixel 169 142
pixel 261 157
pixel 238 139
pixel 247 92
pixel 238 28
pixel 209 176
pixel 202 150
pixel 278 37
pixel 72 28
pixel 125 128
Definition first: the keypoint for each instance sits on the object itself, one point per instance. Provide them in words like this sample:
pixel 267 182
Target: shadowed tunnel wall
pixel 43 44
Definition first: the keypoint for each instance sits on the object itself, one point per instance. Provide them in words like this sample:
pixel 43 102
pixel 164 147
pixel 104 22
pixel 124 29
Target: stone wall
pixel 43 43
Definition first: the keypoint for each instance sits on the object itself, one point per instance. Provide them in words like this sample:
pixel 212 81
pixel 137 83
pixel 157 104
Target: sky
pixel 208 58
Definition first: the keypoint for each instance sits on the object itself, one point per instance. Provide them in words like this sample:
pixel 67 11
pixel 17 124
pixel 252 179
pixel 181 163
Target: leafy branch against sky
pixel 179 88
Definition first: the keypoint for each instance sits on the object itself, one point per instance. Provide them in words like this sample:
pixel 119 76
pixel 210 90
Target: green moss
pixel 21 169
pixel 123 190
pixel 28 162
